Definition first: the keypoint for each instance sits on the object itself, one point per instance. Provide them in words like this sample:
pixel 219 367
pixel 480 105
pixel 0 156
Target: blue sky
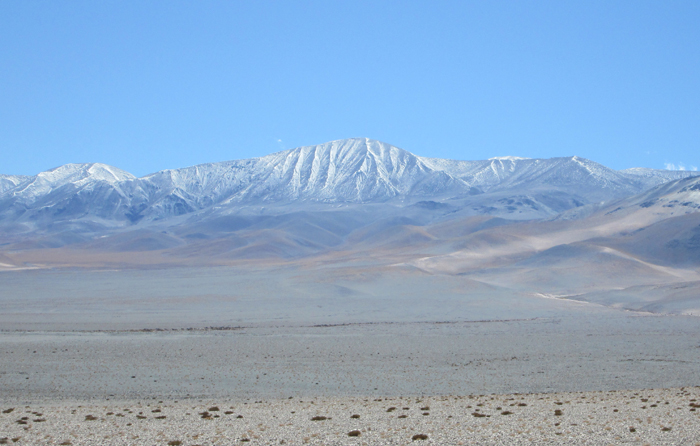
pixel 149 85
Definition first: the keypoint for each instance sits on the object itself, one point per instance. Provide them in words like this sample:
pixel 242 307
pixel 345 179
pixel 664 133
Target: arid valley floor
pixel 137 357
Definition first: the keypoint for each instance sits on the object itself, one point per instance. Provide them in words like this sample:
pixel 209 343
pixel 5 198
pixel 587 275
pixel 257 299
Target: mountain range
pixel 562 228
pixel 351 171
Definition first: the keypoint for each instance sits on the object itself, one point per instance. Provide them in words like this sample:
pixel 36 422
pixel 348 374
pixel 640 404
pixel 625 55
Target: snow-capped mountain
pixel 672 198
pixel 585 176
pixel 357 170
pixel 353 170
pixel 8 182
pixel 68 191
pixel 656 176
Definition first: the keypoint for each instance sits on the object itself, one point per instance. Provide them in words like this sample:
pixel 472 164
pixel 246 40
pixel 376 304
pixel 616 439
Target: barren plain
pixel 141 356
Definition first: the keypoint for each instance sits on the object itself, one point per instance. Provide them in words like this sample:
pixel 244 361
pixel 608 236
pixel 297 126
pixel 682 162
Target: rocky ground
pixel 654 417
pixel 409 372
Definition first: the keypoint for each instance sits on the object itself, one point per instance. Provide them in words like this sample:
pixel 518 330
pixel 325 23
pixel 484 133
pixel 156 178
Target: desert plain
pixel 292 355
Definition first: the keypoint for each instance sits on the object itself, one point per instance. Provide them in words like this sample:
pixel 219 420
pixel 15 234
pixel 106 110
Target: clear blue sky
pixel 148 85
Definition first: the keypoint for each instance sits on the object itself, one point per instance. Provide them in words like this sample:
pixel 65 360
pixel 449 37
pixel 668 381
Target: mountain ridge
pixel 637 252
pixel 356 170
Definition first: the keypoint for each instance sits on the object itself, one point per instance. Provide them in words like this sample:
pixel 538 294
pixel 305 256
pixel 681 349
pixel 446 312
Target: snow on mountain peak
pixel 8 182
pixel 508 158
pixel 108 173
pixel 85 171
pixel 355 170
pixel 77 175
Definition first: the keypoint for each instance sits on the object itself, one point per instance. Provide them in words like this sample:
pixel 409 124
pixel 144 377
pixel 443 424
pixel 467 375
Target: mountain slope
pixel 8 182
pixel 357 170
pixel 354 170
pixel 67 192
pixel 639 252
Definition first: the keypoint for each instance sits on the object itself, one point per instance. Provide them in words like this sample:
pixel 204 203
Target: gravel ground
pixel 563 354
pixel 91 372
pixel 659 416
